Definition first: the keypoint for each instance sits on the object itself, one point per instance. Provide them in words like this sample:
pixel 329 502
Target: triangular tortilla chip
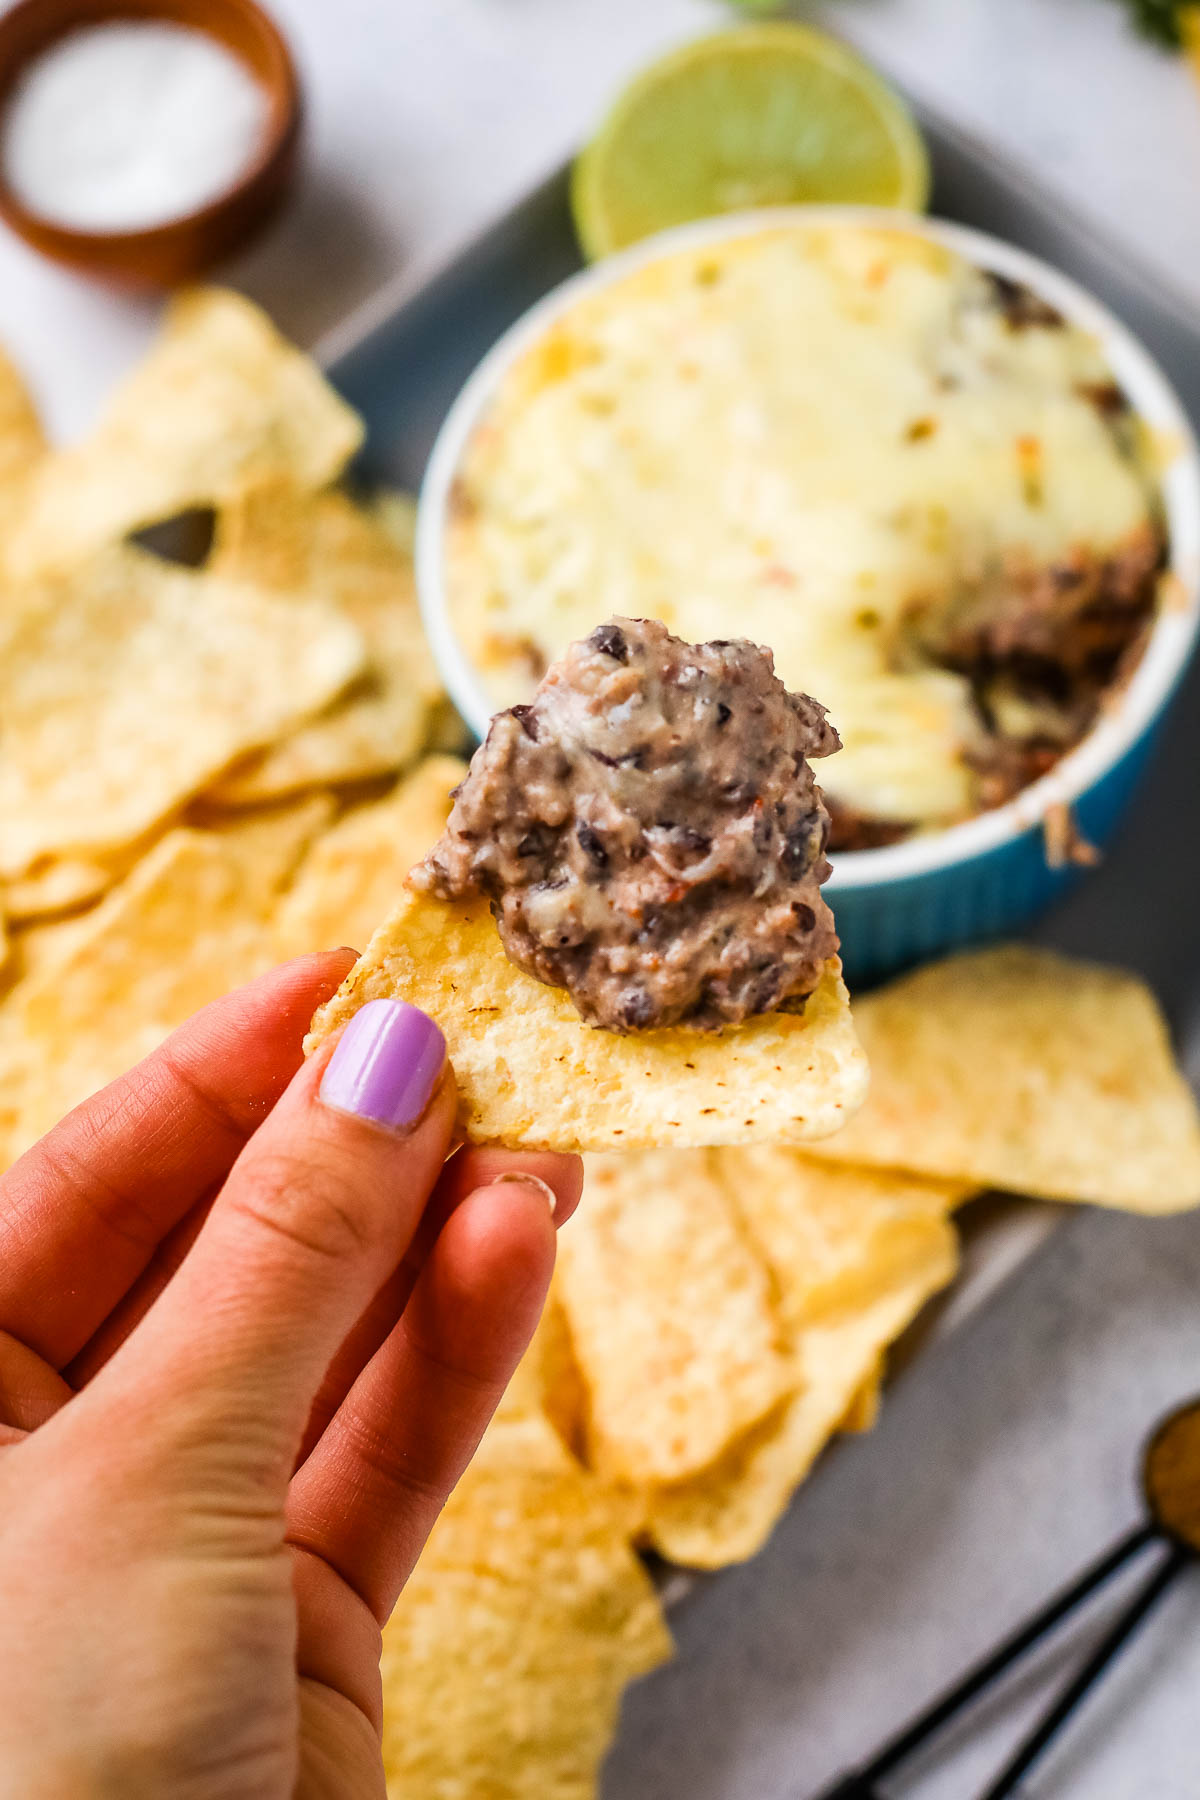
pixel 59 884
pixel 187 925
pixel 852 1261
pixel 327 546
pixel 128 685
pixel 1021 1069
pixel 727 1514
pixel 670 1317
pixel 531 1075
pixel 221 404
pixel 353 872
pixel 527 1614
pixel 22 444
pixel 831 1234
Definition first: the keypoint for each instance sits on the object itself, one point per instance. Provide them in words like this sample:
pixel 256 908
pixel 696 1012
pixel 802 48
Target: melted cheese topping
pixel 791 437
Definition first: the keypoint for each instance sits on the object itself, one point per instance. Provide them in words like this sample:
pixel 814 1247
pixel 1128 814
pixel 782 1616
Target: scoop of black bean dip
pixel 649 833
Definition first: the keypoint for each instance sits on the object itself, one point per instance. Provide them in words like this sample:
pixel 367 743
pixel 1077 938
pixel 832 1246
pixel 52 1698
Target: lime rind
pixel 770 114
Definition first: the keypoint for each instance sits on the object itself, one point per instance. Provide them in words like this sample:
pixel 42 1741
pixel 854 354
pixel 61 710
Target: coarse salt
pixel 127 125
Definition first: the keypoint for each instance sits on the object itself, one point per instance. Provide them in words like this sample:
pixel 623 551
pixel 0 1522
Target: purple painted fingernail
pixel 386 1065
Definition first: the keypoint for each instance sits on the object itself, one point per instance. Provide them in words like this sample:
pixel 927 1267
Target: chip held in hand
pixel 621 931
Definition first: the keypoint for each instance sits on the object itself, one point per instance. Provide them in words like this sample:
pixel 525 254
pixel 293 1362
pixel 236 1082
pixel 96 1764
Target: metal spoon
pixel 1171 1487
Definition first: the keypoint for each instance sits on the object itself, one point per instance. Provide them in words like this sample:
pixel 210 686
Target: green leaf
pixel 1158 19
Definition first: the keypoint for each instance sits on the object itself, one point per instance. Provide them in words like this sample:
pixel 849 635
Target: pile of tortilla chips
pixel 717 1316
pixel 186 749
pixel 205 769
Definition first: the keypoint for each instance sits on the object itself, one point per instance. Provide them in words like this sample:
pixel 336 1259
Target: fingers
pixel 368 1495
pixel 316 1214
pixel 82 1212
pixel 129 1311
pixel 469 1169
pixel 30 1390
pixel 465 1171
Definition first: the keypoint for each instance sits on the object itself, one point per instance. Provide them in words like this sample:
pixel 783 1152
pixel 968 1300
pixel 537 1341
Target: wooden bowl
pixel 164 255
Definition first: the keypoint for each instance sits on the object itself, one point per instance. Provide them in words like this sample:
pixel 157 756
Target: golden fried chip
pixel 830 1234
pixel 186 926
pixel 862 1413
pixel 5 945
pixel 327 546
pixel 221 404
pixel 128 685
pixel 355 870
pixel 851 1261
pixel 727 1514
pixel 21 441
pixel 531 1075
pixel 1018 1068
pixel 670 1317
pixel 34 947
pixel 59 884
pixel 547 1380
pixel 527 1614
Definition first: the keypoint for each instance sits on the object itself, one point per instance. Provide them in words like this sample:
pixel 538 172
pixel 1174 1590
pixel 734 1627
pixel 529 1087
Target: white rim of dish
pixel 1135 370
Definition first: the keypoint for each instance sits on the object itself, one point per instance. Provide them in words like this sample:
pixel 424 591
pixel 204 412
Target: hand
pixel 251 1330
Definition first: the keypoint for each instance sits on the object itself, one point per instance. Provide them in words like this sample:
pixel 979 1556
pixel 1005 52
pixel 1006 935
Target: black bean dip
pixel 649 834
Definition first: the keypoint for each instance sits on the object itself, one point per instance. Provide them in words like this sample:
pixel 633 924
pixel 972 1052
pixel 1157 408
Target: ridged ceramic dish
pixel 990 875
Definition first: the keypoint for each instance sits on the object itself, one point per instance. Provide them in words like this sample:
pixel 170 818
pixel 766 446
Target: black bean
pixel 805 917
pixel 631 759
pixel 797 850
pixel 527 719
pixel 724 714
pixel 589 843
pixel 537 842
pixel 637 1008
pixel 610 641
pixel 1020 305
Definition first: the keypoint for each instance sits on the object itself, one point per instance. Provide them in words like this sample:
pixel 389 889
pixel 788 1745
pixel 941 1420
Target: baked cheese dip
pixel 912 478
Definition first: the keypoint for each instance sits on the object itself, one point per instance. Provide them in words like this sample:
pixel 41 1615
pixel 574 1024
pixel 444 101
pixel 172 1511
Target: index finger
pixel 82 1212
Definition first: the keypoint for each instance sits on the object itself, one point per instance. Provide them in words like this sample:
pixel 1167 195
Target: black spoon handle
pixel 1039 1738
pixel 858 1786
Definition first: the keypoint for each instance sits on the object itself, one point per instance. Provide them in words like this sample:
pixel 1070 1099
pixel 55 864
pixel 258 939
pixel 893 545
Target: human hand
pixel 249 1340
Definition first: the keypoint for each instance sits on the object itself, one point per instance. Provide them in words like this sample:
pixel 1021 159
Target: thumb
pixel 317 1212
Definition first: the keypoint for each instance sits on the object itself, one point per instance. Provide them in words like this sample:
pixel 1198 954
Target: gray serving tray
pixel 402 358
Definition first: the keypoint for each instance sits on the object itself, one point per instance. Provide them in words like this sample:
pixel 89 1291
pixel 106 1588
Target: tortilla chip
pixel 1021 1069
pixel 851 1262
pixel 862 1414
pixel 547 1381
pixel 727 1514
pixel 355 870
pixel 221 404
pixel 325 545
pixel 670 1317
pixel 187 925
pixel 396 513
pixel 5 944
pixel 22 443
pixel 829 1234
pixel 505 1659
pixel 127 686
pixel 58 884
pixel 35 947
pixel 531 1075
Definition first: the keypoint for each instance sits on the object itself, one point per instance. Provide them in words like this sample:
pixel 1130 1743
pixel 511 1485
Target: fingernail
pixel 531 1181
pixel 386 1065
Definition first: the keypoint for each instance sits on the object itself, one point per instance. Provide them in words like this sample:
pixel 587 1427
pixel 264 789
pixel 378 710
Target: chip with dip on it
pixel 621 931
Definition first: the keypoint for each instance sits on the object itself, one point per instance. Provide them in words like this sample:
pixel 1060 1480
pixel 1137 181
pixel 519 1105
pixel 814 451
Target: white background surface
pixel 1005 1459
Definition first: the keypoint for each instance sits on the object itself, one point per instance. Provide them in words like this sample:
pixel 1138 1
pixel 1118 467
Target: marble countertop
pixel 1004 1459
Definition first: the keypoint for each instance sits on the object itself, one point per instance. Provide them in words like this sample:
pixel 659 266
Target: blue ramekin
pixel 990 876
